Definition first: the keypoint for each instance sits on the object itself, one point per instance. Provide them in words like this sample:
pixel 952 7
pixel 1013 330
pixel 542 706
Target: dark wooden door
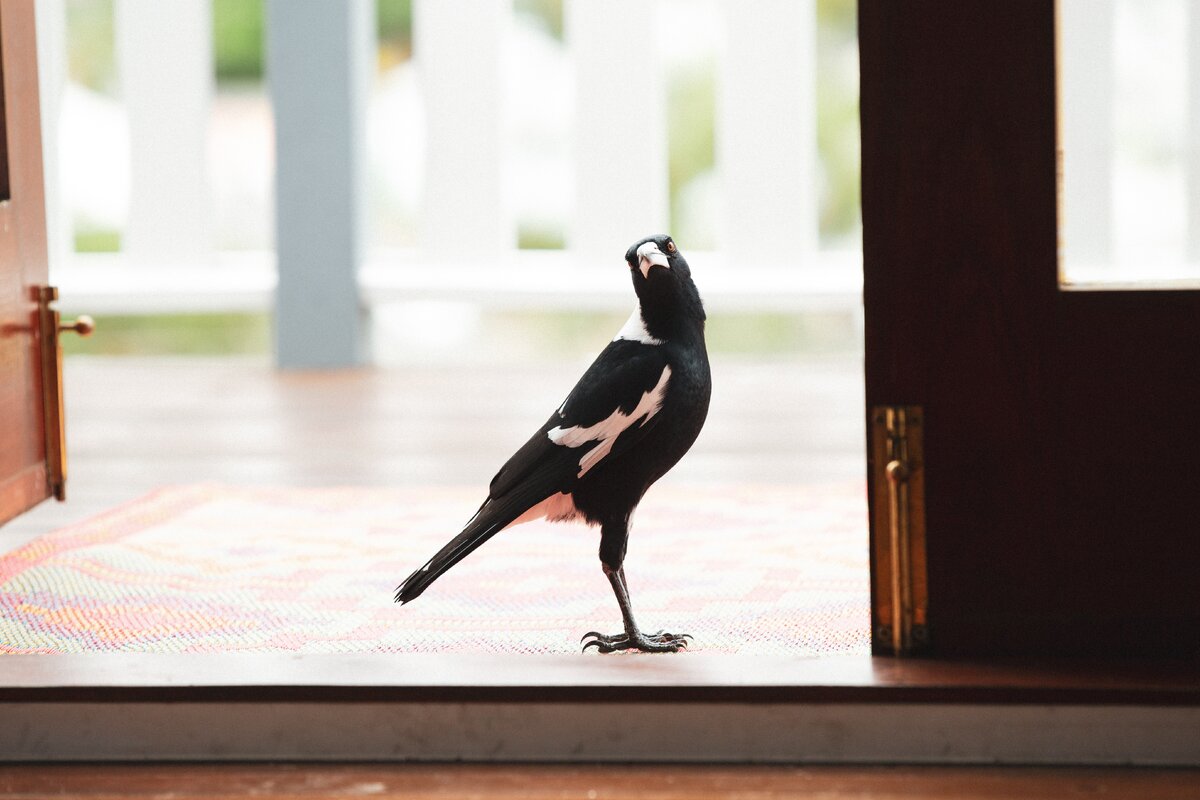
pixel 23 465
pixel 1061 439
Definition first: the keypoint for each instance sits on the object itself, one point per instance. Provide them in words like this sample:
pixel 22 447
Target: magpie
pixel 637 409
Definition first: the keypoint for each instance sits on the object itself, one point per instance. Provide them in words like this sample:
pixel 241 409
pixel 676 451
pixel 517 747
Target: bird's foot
pixel 661 642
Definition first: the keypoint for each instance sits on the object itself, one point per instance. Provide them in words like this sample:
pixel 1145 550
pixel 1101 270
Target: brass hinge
pixel 49 326
pixel 900 591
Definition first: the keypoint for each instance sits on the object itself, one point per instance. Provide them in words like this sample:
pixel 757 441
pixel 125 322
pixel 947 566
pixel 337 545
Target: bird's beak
pixel 648 256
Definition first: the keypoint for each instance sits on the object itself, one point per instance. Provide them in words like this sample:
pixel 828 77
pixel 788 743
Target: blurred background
pixel 474 171
pixel 374 242
pixel 161 159
pixel 1129 74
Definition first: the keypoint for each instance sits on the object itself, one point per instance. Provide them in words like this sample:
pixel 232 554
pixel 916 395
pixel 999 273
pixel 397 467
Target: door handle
pixel 82 325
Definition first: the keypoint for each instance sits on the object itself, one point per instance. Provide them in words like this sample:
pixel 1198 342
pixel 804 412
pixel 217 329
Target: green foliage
pixel 90 59
pixel 838 14
pixel 548 12
pixel 691 115
pixel 749 334
pixel 176 335
pixel 533 333
pixel 95 240
pixel 778 333
pixel 837 117
pixel 238 28
pixel 531 236
pixel 393 21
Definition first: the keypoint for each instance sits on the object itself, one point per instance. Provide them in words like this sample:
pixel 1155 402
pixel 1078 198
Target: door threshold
pixel 589 677
pixel 694 707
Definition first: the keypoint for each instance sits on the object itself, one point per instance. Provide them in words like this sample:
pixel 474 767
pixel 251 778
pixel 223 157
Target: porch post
pixel 319 66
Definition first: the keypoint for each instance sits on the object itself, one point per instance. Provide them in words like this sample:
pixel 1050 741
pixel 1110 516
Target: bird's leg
pixel 632 638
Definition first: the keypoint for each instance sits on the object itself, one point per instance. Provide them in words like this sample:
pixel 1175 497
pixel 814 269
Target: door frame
pixel 1059 433
pixel 23 250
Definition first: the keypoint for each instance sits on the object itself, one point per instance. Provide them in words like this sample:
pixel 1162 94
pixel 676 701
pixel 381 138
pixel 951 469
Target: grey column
pixel 319 61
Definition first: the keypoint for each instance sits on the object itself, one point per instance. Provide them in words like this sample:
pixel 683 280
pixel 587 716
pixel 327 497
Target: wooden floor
pixel 594 783
pixel 134 424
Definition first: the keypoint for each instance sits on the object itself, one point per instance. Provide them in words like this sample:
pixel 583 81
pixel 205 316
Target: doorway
pixel 785 333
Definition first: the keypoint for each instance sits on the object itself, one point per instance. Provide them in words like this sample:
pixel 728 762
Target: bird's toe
pixel 608 644
pixel 661 642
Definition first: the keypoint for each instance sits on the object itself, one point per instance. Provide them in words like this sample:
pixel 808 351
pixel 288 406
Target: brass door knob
pixel 83 325
pixel 897 471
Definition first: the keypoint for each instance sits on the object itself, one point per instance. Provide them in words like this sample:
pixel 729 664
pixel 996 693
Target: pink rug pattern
pixel 210 568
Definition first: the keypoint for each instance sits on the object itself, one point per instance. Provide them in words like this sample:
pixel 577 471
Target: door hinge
pixel 899 590
pixel 49 326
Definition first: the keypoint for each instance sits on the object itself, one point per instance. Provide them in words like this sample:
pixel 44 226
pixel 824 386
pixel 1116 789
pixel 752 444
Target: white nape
pixel 634 329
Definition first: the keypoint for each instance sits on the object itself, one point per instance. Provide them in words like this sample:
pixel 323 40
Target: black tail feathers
pixel 454 551
pixel 492 517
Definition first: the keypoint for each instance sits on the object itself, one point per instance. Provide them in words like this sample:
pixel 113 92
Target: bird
pixel 629 419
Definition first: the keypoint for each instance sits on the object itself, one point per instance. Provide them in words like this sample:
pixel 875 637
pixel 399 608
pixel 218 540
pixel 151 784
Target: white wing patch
pixel 634 329
pixel 605 432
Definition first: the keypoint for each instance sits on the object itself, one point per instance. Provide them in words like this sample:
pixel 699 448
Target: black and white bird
pixel 634 413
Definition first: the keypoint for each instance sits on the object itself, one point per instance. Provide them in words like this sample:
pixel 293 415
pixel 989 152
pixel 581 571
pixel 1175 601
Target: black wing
pixel 612 406
pixel 623 377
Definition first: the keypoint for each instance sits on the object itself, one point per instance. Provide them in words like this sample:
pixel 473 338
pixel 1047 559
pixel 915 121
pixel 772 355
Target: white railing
pixel 766 159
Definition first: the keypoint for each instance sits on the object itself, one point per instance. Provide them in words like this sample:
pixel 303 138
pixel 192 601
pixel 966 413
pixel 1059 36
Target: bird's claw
pixel 661 642
pixel 658 636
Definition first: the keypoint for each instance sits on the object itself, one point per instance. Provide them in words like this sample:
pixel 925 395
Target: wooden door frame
pixel 1057 518
pixel 23 249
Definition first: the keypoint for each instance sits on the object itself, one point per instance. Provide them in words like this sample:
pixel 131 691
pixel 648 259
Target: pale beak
pixel 649 255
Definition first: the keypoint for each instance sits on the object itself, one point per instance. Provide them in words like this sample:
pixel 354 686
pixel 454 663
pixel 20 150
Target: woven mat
pixel 207 568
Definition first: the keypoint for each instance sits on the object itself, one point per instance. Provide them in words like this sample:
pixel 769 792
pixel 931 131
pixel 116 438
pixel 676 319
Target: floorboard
pixel 135 424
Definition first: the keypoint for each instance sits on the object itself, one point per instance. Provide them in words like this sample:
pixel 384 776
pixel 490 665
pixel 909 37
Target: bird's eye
pixel 670 247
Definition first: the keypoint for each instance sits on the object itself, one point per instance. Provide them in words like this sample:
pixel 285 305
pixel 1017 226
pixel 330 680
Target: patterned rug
pixel 208 568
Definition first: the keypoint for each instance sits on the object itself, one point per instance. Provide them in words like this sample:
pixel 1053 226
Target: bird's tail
pixel 491 518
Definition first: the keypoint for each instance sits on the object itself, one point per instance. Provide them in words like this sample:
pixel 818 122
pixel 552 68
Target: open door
pixel 1060 448
pixel 32 459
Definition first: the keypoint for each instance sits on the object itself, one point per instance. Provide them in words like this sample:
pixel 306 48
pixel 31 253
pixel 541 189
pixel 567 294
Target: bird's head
pixel 662 280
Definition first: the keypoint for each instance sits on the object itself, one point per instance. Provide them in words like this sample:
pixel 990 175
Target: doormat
pixel 210 568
